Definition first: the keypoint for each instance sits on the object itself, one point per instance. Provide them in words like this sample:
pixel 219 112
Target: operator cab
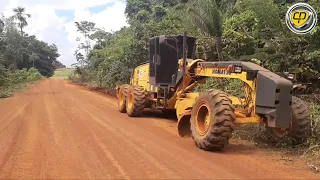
pixel 165 52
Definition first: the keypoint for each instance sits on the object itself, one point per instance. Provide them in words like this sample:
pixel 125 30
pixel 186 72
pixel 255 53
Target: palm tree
pixel 21 16
pixel 208 16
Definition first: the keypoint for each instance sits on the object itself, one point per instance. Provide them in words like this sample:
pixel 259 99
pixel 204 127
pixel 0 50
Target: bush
pixel 24 75
pixel 315 138
pixel 11 81
pixel 80 76
pixel 33 75
pixel 3 76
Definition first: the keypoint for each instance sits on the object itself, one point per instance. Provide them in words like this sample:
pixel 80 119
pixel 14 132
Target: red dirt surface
pixel 56 130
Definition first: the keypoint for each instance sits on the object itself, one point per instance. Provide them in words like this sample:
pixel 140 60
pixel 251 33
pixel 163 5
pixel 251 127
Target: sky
pixel 53 20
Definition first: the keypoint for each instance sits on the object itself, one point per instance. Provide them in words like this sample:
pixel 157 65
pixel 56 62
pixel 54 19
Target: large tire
pixel 300 129
pixel 212 120
pixel 300 126
pixel 136 100
pixel 122 96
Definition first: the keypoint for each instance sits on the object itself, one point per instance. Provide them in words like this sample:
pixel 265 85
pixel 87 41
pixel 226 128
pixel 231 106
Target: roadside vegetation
pixel 23 58
pixel 250 30
pixel 63 73
pixel 16 80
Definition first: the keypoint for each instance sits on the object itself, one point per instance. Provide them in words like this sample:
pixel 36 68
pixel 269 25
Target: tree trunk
pixel 21 31
pixel 219 48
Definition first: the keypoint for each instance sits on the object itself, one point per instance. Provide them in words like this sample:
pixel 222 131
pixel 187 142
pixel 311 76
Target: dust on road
pixel 56 130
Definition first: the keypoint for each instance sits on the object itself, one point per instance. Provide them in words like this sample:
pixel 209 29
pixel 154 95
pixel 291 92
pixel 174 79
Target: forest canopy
pixel 248 30
pixel 19 50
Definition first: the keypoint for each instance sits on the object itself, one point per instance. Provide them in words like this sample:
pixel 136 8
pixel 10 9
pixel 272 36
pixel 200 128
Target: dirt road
pixel 56 130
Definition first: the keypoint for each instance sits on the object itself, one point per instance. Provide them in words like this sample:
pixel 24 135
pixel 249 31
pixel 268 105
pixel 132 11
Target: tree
pixel 136 7
pixel 23 57
pixel 237 30
pixel 101 38
pixel 21 17
pixel 86 28
pixel 208 16
pixel 1 25
pixel 58 65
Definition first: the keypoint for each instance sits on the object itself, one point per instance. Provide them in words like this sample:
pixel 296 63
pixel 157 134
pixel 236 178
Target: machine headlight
pixel 238 69
pixel 290 76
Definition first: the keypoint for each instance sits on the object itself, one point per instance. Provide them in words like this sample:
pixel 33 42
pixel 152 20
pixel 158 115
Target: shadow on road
pixel 148 113
pixel 240 147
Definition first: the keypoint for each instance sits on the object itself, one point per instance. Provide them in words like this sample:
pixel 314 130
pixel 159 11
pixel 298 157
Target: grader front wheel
pixel 300 124
pixel 135 102
pixel 212 120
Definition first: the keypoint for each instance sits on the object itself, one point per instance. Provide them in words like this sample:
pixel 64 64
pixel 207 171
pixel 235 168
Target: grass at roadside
pixel 262 138
pixel 17 80
pixel 9 91
pixel 62 73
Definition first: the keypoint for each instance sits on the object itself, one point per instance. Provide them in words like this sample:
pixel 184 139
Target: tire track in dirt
pixel 75 119
pixel 8 119
pixel 143 152
pixel 83 110
pixel 250 163
pixel 177 154
pixel 9 144
pixel 60 131
pixel 148 146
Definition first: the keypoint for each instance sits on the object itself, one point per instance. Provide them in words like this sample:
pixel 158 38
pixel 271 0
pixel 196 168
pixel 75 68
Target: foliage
pixel 315 116
pixel 23 58
pixel 21 16
pixel 57 64
pixel 239 30
pixel 20 51
pixel 24 75
pixel 11 81
pixel 85 28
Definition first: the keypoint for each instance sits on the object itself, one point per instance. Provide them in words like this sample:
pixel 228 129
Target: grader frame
pixel 167 81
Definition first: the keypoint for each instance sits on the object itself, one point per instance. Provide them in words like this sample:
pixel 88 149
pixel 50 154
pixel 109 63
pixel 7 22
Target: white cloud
pixel 112 18
pixel 50 27
pixel 60 4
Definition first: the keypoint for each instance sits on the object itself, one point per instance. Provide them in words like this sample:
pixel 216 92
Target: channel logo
pixel 301 18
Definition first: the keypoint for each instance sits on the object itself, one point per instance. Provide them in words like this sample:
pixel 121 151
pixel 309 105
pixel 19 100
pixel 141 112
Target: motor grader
pixel 167 81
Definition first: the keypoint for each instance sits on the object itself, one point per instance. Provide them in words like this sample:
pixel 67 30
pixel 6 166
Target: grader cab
pixel 167 83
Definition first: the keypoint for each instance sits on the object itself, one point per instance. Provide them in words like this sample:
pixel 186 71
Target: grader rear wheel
pixel 136 100
pixel 212 120
pixel 122 96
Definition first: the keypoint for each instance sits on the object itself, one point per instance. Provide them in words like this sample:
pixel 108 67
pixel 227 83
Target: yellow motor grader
pixel 168 80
